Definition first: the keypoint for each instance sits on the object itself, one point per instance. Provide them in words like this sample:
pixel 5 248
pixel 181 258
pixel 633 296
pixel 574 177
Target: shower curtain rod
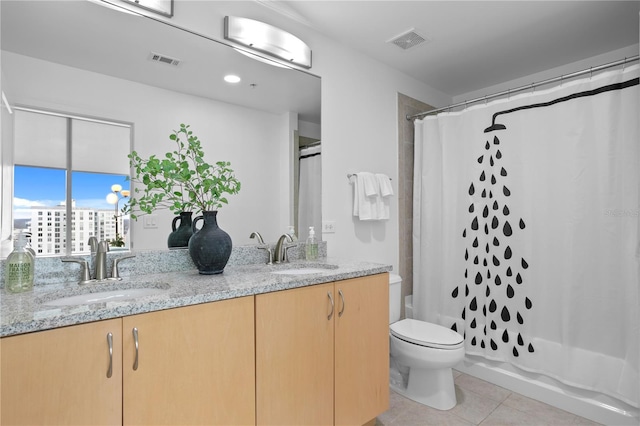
pixel 309 145
pixel 527 87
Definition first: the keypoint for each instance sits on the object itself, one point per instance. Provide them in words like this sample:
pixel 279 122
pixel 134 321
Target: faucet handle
pixel 103 246
pixel 286 251
pixel 93 243
pixel 115 275
pixel 84 269
pixel 269 252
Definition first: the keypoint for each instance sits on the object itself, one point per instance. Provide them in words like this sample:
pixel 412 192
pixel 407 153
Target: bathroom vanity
pixel 258 344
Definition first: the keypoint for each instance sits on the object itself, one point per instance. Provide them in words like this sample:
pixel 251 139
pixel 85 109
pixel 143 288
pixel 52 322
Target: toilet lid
pixel 426 334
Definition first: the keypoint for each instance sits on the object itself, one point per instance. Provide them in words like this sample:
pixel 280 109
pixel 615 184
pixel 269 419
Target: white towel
pixel 385 184
pixel 365 191
pixel 382 200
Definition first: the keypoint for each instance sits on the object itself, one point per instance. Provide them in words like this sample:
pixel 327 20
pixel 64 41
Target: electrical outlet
pixel 150 221
pixel 328 227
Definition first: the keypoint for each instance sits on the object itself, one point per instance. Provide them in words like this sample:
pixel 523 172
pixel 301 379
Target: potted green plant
pixel 184 183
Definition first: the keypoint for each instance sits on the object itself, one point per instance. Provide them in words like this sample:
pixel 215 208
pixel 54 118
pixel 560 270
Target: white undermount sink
pixel 105 296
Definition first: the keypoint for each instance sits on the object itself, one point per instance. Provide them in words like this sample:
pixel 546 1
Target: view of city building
pixel 47 227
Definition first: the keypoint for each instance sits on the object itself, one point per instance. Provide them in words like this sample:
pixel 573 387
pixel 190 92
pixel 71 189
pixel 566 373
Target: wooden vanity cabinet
pixel 322 353
pixel 195 365
pixel 59 377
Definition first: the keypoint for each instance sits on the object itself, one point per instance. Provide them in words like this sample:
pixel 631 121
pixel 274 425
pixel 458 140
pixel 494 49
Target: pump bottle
pixel 311 248
pixel 19 268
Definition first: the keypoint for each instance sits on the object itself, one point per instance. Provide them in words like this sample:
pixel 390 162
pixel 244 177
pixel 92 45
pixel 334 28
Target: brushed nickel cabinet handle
pixel 343 304
pixel 331 299
pixel 110 343
pixel 135 341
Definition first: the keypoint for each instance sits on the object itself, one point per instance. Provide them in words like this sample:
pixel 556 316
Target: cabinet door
pixel 196 365
pixel 60 376
pixel 362 349
pixel 294 357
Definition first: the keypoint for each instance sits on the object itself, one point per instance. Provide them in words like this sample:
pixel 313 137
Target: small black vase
pixel 180 236
pixel 209 247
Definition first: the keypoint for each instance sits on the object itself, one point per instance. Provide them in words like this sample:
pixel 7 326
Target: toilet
pixel 428 350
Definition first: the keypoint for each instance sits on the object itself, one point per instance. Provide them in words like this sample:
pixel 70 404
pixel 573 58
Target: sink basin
pixel 300 271
pixel 105 296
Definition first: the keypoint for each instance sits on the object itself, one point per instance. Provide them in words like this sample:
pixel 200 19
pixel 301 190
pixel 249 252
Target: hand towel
pixel 364 206
pixel 385 184
pixel 385 191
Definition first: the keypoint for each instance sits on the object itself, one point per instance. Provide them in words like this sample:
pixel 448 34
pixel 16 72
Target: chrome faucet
pixel 99 251
pixel 101 260
pixel 263 246
pixel 280 256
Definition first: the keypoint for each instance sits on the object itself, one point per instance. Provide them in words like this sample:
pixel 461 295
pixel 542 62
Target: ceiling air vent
pixel 164 59
pixel 408 39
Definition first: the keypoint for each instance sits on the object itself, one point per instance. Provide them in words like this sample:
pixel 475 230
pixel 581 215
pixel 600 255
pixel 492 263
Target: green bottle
pixel 19 268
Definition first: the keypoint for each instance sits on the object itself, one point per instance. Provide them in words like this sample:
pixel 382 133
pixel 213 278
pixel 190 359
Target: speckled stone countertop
pixel 29 312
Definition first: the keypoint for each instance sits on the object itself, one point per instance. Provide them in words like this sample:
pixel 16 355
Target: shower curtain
pixel 310 192
pixel 526 230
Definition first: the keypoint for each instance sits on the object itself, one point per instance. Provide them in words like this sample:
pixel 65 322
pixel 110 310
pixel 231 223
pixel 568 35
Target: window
pixel 64 168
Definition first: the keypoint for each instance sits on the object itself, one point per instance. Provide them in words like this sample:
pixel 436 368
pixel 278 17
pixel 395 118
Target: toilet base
pixel 431 387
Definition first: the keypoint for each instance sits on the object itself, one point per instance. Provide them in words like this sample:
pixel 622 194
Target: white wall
pixel 255 142
pixel 359 123
pixel 552 73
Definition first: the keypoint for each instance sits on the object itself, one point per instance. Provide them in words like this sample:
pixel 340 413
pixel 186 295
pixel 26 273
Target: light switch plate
pixel 328 227
pixel 150 221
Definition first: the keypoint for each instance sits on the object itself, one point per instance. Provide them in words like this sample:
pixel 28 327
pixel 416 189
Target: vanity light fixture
pixel 266 39
pixel 230 78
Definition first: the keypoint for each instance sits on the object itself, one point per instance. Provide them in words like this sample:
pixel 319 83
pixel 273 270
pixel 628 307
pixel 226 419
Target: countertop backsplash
pixel 51 270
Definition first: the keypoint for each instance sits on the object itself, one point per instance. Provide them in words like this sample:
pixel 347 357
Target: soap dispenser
pixel 292 233
pixel 19 267
pixel 311 248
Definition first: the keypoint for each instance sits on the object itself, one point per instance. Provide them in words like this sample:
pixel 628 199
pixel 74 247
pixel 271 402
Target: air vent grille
pixel 164 59
pixel 408 40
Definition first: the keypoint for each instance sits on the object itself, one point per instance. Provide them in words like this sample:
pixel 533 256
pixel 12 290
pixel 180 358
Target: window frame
pixel 8 184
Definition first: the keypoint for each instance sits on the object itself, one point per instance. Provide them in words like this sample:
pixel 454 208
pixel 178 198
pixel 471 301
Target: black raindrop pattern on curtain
pixel 495 272
pixel 493 265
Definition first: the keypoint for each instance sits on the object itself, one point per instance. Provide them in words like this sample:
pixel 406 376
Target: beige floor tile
pixel 507 416
pixel 539 410
pixel 581 421
pixel 479 403
pixel 397 405
pixel 472 406
pixel 481 387
pixel 421 415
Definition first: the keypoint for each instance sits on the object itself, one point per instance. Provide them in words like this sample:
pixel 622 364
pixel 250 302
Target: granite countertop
pixel 29 312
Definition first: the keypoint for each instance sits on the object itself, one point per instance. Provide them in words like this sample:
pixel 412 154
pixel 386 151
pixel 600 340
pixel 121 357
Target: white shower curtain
pixel 310 192
pixel 526 236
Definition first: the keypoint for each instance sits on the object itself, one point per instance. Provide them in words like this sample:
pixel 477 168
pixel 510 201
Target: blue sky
pixel 35 186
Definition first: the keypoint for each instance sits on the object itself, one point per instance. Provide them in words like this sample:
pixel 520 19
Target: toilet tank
pixel 395 292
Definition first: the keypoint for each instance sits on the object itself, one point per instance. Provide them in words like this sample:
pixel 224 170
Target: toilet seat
pixel 426 334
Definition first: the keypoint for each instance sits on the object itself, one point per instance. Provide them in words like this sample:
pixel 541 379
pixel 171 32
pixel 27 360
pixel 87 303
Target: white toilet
pixel 428 350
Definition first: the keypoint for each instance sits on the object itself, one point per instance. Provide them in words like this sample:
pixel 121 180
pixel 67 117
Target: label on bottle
pixel 19 272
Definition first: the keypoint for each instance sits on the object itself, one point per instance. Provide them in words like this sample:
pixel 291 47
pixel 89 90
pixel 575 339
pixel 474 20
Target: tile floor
pixel 479 403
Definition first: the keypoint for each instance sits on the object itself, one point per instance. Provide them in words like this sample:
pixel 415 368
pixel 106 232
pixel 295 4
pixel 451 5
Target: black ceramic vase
pixel 181 234
pixel 210 246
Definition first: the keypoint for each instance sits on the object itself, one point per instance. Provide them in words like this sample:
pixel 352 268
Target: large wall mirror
pixel 80 60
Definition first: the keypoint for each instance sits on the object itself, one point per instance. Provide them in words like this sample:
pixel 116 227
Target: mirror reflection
pixel 93 64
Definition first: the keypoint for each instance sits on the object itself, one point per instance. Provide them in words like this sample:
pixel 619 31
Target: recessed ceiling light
pixel 232 78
